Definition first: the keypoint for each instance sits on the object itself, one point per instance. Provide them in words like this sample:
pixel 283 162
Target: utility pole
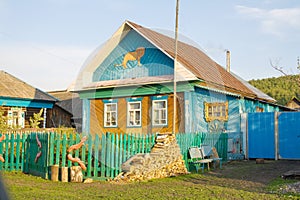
pixel 175 70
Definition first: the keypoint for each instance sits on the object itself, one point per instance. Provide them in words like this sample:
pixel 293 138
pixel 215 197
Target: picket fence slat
pixel 89 164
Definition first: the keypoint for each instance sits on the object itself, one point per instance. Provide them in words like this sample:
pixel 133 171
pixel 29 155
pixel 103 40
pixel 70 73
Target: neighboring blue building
pixel 127 86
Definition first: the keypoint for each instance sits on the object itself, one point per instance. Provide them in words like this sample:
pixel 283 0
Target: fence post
pixel 57 148
pixel 51 149
pixel 64 150
pixel 90 151
pixel 96 155
pixel 6 151
pixel 23 139
pixel 18 149
pixel 12 150
pixel 117 155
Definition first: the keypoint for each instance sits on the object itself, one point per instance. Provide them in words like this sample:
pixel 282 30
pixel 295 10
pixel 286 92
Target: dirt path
pixel 251 176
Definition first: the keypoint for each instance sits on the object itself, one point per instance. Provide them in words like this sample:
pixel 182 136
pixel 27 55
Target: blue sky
pixel 45 43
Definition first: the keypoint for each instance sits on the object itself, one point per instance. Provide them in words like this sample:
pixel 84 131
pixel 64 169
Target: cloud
pixel 275 21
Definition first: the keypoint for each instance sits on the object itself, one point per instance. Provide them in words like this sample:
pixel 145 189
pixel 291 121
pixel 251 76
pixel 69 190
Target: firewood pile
pixel 164 160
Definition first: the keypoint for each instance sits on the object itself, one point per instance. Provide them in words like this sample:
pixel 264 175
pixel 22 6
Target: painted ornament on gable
pixel 132 56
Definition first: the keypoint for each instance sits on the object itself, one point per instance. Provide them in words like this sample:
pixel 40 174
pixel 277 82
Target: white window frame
pixel 16 117
pixel 131 119
pixel 160 120
pixel 108 121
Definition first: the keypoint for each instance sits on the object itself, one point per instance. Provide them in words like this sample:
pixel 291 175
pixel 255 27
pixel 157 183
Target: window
pixel 159 112
pixel 110 114
pixel 216 111
pixel 259 109
pixel 16 117
pixel 134 116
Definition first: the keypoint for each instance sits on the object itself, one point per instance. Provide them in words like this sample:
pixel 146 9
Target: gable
pixel 107 68
pixel 133 57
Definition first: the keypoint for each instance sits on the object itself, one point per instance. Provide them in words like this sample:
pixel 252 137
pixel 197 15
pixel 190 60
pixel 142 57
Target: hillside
pixel 283 88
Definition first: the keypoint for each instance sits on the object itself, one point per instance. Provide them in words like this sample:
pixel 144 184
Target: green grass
pixel 192 186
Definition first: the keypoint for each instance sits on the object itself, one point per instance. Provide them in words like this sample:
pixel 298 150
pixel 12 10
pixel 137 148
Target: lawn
pixel 237 180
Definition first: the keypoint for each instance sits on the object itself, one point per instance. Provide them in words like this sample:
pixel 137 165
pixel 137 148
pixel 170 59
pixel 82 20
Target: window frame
pixel 105 115
pixel 16 117
pixel 162 109
pixel 134 113
pixel 211 110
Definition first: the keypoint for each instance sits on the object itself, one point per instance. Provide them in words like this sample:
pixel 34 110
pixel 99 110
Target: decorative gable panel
pixel 133 57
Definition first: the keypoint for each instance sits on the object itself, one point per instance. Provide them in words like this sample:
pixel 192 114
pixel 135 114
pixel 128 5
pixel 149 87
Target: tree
pixel 36 120
pixel 3 120
pixel 281 69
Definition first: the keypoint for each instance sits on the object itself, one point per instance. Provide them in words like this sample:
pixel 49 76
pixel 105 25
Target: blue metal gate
pixel 273 135
pixel 261 140
pixel 289 135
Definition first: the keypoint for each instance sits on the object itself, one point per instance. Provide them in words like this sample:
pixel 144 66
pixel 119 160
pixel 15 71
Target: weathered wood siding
pixel 58 117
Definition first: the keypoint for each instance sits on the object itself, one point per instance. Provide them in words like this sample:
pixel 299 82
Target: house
pixel 20 101
pixel 67 111
pixel 127 86
pixel 294 103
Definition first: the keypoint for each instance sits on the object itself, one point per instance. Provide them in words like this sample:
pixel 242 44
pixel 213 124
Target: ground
pixel 237 180
pixel 254 176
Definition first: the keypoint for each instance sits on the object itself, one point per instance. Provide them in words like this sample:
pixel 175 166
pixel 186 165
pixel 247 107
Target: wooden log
pixel 76 174
pixel 260 161
pixel 54 172
pixel 64 174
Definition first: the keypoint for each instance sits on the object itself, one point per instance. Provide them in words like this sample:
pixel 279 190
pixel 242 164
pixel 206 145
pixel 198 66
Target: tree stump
pixel 64 174
pixel 54 172
pixel 76 174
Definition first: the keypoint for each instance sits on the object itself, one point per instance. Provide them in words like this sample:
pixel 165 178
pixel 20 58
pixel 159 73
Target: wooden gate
pixel 36 153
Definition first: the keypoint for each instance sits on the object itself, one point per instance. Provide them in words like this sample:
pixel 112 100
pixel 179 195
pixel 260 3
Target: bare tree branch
pixel 276 67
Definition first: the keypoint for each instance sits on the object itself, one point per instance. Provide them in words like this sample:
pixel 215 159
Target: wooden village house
pixel 70 103
pixel 127 87
pixel 20 101
pixel 294 103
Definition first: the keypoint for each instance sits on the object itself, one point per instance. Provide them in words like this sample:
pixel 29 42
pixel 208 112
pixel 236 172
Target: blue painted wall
pixel 153 62
pixel 195 115
pixel 249 106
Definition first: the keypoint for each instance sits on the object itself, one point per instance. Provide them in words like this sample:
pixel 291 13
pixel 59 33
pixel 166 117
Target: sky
pixel 45 43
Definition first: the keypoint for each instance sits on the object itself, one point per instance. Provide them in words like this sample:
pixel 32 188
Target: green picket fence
pixel 102 154
pixel 12 150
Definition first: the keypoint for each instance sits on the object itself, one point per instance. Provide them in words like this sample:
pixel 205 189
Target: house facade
pixel 127 87
pixel 19 101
